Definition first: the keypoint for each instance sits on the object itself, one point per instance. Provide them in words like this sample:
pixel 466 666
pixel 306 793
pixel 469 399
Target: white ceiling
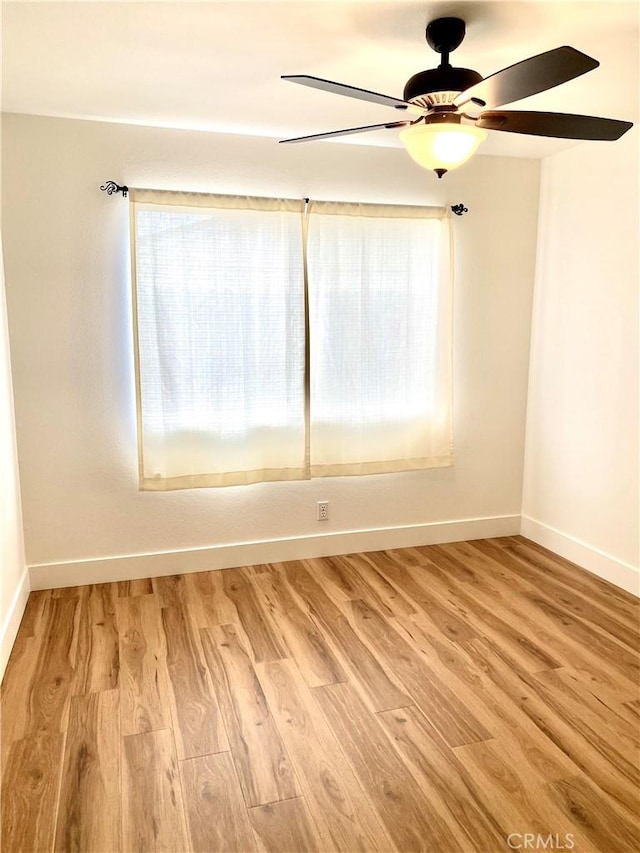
pixel 217 66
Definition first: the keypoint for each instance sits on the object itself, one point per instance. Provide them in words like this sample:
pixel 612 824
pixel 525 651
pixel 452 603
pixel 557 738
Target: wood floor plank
pixel 596 684
pixel 584 746
pixel 625 605
pixel 263 766
pixel 261 568
pixel 615 654
pixel 444 656
pixel 518 611
pixel 197 724
pixel 217 818
pixel 381 692
pixel 484 569
pixel 445 619
pixel 576 697
pixel 89 804
pixel 412 821
pixel 398 603
pixel 455 722
pixel 458 570
pixel 467 678
pixel 97 657
pixel 263 637
pixel 607 827
pixel 284 827
pixel 208 602
pixel 575 603
pixel 343 583
pixel 483 610
pixel 67 592
pixel 144 679
pixel 444 779
pixel 16 686
pixel 170 590
pixel 342 814
pixel 510 790
pixel 575 620
pixel 477 691
pixel 33 613
pixel 523 621
pixel 633 707
pixel 468 571
pixel 307 645
pixel 152 806
pixel 30 786
pixel 51 683
pixel 141 586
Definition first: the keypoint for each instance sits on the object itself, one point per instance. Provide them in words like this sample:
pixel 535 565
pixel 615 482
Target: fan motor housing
pixel 441 79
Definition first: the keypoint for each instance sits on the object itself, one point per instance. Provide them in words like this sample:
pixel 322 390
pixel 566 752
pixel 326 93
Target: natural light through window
pixel 377 305
pixel 252 367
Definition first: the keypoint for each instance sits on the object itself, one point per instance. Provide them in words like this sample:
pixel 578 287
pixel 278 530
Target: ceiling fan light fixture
pixel 442 146
pixel 437 139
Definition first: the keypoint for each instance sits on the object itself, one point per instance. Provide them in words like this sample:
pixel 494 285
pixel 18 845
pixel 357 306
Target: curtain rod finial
pixel 111 187
pixel 459 209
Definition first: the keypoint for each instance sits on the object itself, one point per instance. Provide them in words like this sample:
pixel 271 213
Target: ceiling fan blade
pixel 348 131
pixel 559 125
pixel 349 91
pixel 532 75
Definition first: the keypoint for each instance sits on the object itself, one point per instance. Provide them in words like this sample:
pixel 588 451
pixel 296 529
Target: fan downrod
pixel 444 35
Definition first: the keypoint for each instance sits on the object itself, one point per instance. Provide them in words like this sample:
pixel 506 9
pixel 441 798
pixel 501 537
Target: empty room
pixel 319 428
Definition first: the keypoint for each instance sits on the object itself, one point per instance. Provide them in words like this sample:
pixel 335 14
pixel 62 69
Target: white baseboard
pixel 130 567
pixel 12 620
pixel 603 565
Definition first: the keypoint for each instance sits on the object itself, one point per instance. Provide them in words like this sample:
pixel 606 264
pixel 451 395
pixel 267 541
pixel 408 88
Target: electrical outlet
pixel 323 510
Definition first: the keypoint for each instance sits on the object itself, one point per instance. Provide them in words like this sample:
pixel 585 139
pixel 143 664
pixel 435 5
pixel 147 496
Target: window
pixel 276 341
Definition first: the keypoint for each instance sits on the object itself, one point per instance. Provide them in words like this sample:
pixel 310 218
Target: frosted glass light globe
pixel 442 147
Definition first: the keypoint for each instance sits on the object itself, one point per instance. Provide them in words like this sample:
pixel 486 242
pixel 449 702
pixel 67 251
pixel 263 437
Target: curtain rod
pixel 111 188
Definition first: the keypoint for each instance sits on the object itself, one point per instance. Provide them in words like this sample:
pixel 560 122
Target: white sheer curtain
pixel 380 298
pixel 278 344
pixel 220 339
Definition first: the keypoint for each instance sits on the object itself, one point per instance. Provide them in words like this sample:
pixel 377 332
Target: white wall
pixel 581 481
pixel 14 578
pixel 66 246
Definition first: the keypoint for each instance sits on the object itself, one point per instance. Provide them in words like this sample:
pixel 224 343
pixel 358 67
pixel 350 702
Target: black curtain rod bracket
pixel 459 209
pixel 110 187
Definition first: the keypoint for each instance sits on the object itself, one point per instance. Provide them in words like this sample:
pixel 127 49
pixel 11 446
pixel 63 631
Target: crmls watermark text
pixel 536 841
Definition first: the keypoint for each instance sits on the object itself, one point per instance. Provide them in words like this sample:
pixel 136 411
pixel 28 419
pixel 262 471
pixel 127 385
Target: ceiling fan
pixel 454 107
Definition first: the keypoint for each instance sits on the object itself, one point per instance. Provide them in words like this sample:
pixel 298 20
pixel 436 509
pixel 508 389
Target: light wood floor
pixel 443 698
